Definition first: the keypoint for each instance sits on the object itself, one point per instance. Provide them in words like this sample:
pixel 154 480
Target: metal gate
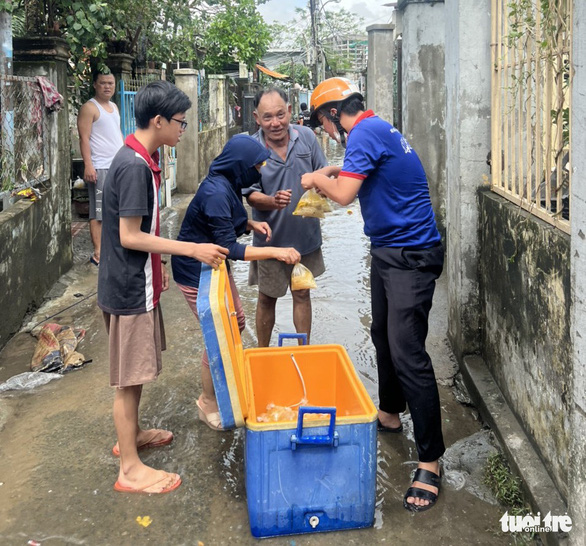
pixel 126 99
pixel 126 93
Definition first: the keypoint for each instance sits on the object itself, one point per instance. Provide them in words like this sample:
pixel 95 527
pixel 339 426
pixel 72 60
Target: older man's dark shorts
pixel 274 277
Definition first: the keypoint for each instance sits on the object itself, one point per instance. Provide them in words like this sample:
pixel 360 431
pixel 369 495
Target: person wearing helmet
pixel 383 170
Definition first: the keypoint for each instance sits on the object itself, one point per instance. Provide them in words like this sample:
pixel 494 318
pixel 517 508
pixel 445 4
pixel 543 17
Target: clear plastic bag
pixel 28 380
pixel 302 278
pixel 276 414
pixel 312 205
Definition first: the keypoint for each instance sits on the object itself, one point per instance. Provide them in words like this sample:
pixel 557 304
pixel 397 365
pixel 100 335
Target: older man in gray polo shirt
pixel 294 152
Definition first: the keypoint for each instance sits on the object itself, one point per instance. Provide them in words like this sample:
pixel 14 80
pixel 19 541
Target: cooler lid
pixel 219 325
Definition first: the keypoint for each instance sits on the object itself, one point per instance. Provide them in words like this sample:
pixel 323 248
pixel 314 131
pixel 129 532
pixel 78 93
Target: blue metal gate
pixel 126 93
pixel 127 121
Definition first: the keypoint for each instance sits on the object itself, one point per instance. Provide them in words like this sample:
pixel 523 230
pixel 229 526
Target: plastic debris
pixel 28 380
pixel 55 350
pixel 302 278
pixel 78 184
pixel 28 193
pixel 145 521
pixel 275 414
pixel 312 205
pixel 33 543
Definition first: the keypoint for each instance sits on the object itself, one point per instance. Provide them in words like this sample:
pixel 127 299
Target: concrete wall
pixel 424 95
pixel 524 267
pixel 379 86
pixel 468 80
pixel 218 101
pixel 188 169
pixel 578 275
pixel 35 237
pixel 198 149
pixel 211 143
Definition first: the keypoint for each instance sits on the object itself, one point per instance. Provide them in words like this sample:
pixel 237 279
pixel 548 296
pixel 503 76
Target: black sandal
pixel 428 478
pixel 381 428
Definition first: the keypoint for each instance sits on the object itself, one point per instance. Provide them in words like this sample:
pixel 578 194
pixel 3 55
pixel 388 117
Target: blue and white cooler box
pixel 315 471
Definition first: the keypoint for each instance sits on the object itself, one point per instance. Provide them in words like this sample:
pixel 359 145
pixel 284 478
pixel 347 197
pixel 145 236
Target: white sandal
pixel 212 419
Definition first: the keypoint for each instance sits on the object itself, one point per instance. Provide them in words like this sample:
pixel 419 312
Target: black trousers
pixel 402 285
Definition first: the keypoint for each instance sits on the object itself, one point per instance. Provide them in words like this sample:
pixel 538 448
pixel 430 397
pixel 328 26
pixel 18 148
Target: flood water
pixel 57 470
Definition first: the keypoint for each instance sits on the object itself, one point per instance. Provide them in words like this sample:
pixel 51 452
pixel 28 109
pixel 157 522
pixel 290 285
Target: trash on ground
pixel 144 521
pixel 28 380
pixel 28 193
pixel 312 205
pixel 55 350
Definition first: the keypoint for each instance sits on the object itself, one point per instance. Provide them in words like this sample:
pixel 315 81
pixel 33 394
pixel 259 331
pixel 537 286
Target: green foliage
pixel 507 489
pixel 236 33
pixel 207 32
pixel 331 24
pixel 6 6
pixel 505 486
pixel 299 73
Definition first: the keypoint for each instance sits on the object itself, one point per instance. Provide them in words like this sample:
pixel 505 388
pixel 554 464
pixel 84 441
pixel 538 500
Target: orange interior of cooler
pixel 330 380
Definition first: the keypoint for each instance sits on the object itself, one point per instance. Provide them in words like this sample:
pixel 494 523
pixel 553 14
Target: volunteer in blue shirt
pixel 382 169
pixel 216 214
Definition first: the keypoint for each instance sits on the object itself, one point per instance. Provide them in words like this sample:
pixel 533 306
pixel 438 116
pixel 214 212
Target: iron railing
pixel 531 104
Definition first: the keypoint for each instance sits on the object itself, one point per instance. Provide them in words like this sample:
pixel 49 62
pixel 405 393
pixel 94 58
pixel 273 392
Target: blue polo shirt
pixel 394 196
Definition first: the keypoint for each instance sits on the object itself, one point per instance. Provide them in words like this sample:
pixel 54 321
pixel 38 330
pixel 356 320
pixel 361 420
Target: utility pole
pixel 313 11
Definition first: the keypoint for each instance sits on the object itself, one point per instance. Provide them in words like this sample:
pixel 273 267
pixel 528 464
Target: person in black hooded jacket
pixel 216 215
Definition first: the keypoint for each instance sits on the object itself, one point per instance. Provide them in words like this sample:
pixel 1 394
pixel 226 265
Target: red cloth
pixel 52 99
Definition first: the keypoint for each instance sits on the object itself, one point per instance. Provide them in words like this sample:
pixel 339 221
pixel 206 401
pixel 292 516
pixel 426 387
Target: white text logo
pixel 534 524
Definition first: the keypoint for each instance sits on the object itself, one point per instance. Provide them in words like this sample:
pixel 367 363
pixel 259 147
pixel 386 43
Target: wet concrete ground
pixel 57 470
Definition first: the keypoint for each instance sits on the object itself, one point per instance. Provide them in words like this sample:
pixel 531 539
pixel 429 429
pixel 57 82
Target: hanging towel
pixel 53 100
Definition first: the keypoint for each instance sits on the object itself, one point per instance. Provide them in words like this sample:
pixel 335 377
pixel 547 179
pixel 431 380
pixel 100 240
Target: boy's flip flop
pixel 174 485
pixel 151 443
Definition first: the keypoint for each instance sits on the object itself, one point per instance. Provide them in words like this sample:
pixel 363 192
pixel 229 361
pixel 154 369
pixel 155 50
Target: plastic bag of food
pixel 312 205
pixel 276 413
pixel 302 278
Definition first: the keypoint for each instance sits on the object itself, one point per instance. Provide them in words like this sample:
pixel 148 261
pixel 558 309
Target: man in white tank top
pixel 100 138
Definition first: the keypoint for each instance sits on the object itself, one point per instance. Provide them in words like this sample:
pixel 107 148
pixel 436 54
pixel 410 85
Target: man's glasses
pixel 182 122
